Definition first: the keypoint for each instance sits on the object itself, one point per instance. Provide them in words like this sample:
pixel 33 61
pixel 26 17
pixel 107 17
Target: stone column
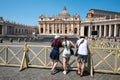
pixel 55 28
pixel 105 30
pixel 82 30
pixel 62 28
pixel 72 28
pixel 115 30
pixel 44 25
pixel 5 29
pixel 89 31
pixel 48 29
pixel 52 28
pixel 68 29
pixel 39 26
pixel 59 29
pixel 78 32
pixel 95 27
pixel 100 30
pixel 2 29
pixel 110 31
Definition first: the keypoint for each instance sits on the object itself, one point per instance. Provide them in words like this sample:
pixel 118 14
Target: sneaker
pixel 53 72
pixel 64 72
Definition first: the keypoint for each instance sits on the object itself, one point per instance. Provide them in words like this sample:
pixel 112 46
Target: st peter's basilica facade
pixel 97 22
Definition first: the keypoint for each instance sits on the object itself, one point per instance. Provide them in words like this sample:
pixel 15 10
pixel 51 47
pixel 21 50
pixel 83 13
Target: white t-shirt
pixel 83 48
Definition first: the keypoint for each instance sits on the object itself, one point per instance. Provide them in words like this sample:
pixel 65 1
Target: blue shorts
pixel 54 55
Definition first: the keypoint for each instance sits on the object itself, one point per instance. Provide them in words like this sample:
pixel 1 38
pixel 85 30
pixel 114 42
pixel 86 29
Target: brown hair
pixel 65 38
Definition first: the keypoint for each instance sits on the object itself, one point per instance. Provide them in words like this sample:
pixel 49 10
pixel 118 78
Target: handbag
pixel 76 51
pixel 71 51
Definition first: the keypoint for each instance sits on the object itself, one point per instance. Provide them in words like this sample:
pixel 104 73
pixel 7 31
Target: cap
pixel 57 36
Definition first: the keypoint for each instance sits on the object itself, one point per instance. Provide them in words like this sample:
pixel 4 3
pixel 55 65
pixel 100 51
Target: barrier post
pixel 24 63
pixel 6 55
pixel 90 58
pixel 116 61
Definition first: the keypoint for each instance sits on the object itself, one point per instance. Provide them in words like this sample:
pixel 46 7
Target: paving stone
pixel 13 73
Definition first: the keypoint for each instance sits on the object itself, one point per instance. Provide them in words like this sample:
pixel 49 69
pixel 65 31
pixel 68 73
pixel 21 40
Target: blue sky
pixel 28 11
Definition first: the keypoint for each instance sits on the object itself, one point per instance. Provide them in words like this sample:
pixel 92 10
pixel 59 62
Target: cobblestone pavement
pixel 13 73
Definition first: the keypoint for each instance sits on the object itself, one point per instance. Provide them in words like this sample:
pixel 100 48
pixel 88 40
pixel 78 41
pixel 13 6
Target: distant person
pixel 66 52
pixel 11 40
pixel 54 55
pixel 82 54
pixel 25 39
pixel 1 40
pixel 19 39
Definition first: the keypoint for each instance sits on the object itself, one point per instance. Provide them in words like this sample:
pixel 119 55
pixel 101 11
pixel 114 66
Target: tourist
pixel 19 39
pixel 1 40
pixel 54 55
pixel 82 54
pixel 66 53
pixel 25 39
pixel 11 40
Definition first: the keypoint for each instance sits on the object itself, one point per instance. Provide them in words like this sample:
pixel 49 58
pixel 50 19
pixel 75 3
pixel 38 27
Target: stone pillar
pixel 78 31
pixel 105 30
pixel 6 29
pixel 55 28
pixel 72 31
pixel 2 29
pixel 110 31
pixel 68 29
pixel 115 30
pixel 62 28
pixel 89 31
pixel 48 29
pixel 44 28
pixel 59 29
pixel 52 28
pixel 95 27
pixel 82 30
pixel 100 31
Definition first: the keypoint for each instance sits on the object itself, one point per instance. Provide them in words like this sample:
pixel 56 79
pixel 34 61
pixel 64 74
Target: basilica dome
pixel 64 13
